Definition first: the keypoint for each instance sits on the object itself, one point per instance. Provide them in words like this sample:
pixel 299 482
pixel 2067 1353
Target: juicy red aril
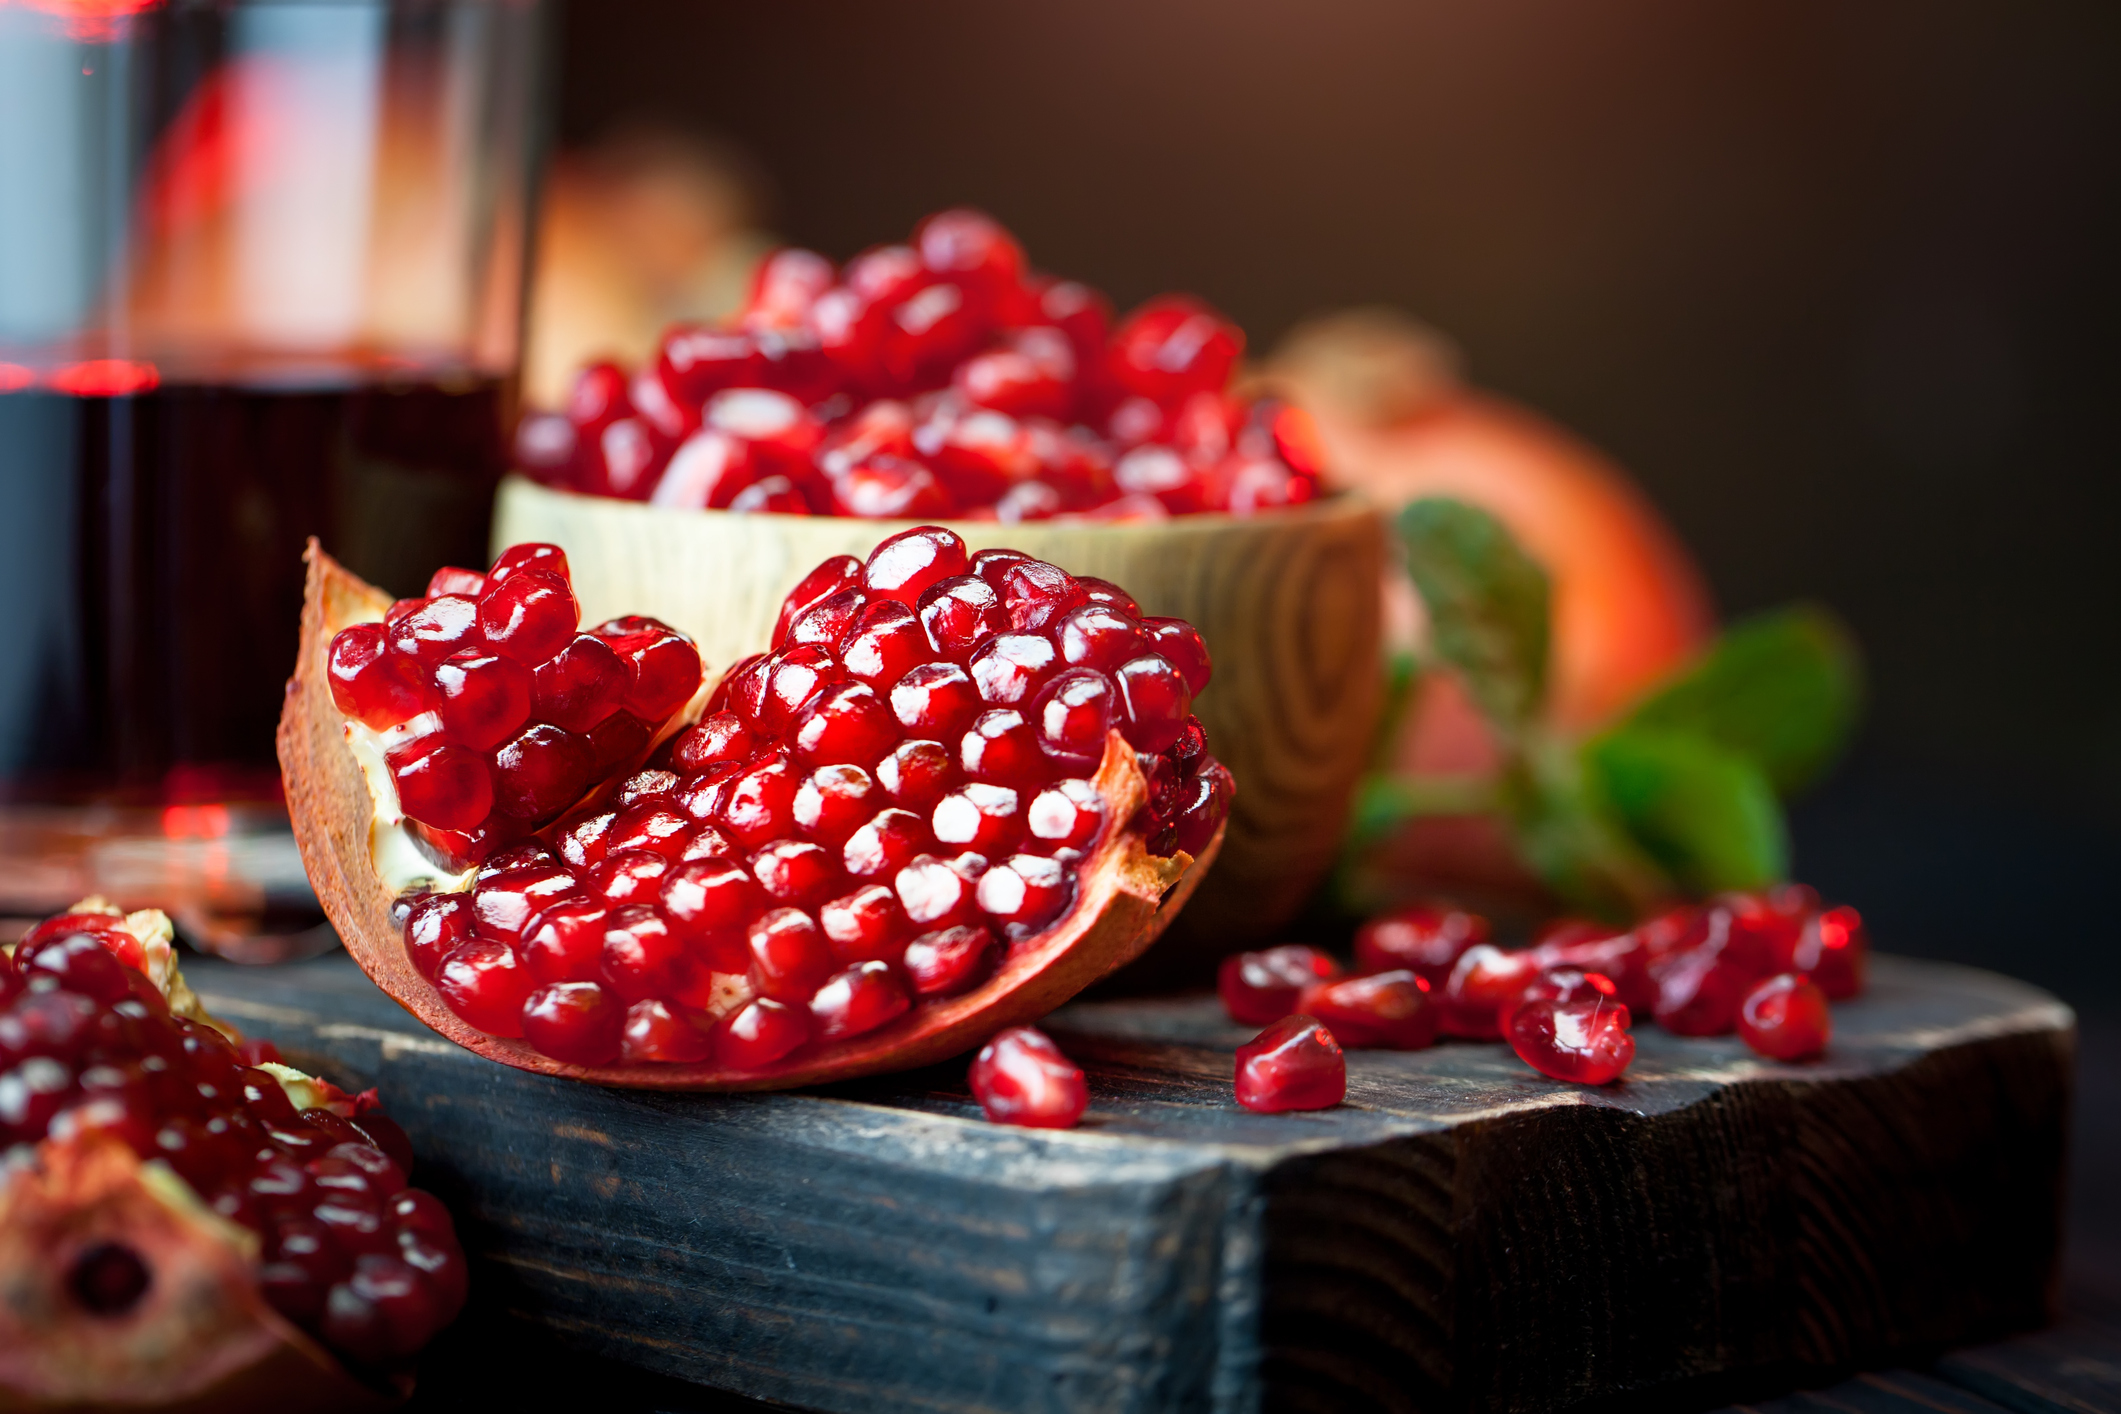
pixel 1072 715
pixel 619 739
pixel 434 926
pixel 890 488
pixel 864 926
pixel 626 876
pixel 1154 700
pixel 856 1000
pixel 1387 1009
pixel 935 700
pixel 706 896
pixel 658 1031
pixel 833 802
pixel 662 665
pixel 1002 747
pixel 1025 892
pixel 917 773
pixel 482 698
pixel 485 983
pixel 1182 646
pixel 565 943
pixel 1428 939
pixel 759 1034
pixel 715 739
pixel 1098 636
pixel 1173 347
pixel 760 806
pixel 885 643
pixel 504 903
pixel 889 840
pixel 1259 987
pixel 935 892
pixel 1295 1064
pixel 1585 1042
pixel 1835 950
pixel 1203 805
pixel 451 579
pixel 576 1022
pixel 437 628
pixel 829 621
pixel 441 784
pixel 797 872
pixel 960 613
pixel 78 963
pixel 649 824
pixel 1020 1077
pixel 983 818
pixel 789 955
pixel 580 685
pixel 948 961
pixel 1557 984
pixel 528 617
pixel 1010 667
pixel 374 686
pixel 784 287
pixel 1065 815
pixel 1785 1018
pixel 970 246
pixel 1482 982
pixel 1700 986
pixel 540 772
pixel 773 692
pixel 848 723
pixel 642 956
pixel 1622 959
pixel 911 562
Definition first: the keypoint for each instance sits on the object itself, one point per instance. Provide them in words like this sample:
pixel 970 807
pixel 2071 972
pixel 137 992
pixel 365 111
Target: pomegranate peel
pixel 1124 895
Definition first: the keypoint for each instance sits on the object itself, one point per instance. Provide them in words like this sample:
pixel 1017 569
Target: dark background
pixel 1836 282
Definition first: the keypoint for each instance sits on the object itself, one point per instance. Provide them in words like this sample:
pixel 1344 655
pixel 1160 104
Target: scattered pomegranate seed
pixel 1483 981
pixel 1295 1064
pixel 1785 1018
pixel 1834 950
pixel 1020 1077
pixel 1585 1041
pixel 1384 1009
pixel 1425 938
pixel 1259 987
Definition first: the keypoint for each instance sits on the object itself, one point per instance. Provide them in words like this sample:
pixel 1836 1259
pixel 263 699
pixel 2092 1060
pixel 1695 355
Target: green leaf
pixel 1782 690
pixel 1707 815
pixel 1487 603
pixel 1572 838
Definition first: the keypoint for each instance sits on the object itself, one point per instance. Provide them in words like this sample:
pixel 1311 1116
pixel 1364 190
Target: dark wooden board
pixel 1461 1234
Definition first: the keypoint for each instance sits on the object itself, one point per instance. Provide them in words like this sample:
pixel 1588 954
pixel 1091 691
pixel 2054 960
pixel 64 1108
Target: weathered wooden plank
pixel 1461 1234
pixel 2074 1369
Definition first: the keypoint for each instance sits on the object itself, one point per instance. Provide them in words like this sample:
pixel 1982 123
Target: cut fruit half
pixel 958 791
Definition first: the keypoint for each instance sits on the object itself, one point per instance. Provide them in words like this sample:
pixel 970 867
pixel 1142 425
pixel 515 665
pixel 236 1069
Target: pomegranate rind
pixel 1125 897
pixel 200 1336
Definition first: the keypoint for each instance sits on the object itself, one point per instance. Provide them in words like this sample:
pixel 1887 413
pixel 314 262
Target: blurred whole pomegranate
pixel 1395 421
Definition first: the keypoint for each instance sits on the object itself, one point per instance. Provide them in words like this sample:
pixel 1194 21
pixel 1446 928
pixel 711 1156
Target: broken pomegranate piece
pixel 1020 1077
pixel 880 840
pixel 271 1183
pixel 490 713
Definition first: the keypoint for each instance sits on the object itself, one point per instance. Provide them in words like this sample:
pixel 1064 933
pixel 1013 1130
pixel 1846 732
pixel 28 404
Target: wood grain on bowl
pixel 1287 602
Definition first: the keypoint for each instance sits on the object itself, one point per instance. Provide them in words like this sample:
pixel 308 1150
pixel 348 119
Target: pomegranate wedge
pixel 955 791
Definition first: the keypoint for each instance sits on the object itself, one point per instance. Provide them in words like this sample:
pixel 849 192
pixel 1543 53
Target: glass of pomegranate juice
pixel 261 269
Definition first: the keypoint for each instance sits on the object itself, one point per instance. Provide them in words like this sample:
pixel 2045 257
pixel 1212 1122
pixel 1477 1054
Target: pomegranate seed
pixel 580 685
pixel 1073 715
pixel 857 1000
pixel 1001 747
pixel 643 957
pixel 1700 986
pixel 774 693
pixel 761 802
pixel 434 926
pixel 1295 1064
pixel 529 616
pixel 1482 982
pixel 450 579
pixel 1557 984
pixel 1105 593
pixel 847 724
pixel 796 872
pixel 949 961
pixel 935 892
pixel 785 286
pixel 1785 1018
pixel 960 613
pixel 1173 347
pixel 1181 645
pixel 1065 815
pixel 911 562
pixel 1154 702
pixel 829 621
pixel 715 740
pixel 77 963
pixel 662 665
pixel 705 896
pixel 504 904
pixel 1259 987
pixel 1098 636
pixel 881 847
pixel 1024 893
pixel 649 824
pixel 436 628
pixel 1835 950
pixel 576 1022
pixel 1385 1009
pixel 970 246
pixel 763 1032
pixel 628 876
pixel 1204 803
pixel 1584 1041
pixel 1426 938
pixel 374 686
pixel 485 983
pixel 659 1031
pixel 530 555
pixel 935 700
pixel 891 488
pixel 1622 959
pixel 885 643
pixel 694 364
pixel 841 572
pixel 864 926
pixel 980 817
pixel 442 785
pixel 789 956
pixel 833 801
pixel 1036 595
pixel 917 774
pixel 540 772
pixel 565 942
pixel 616 741
pixel 1020 1077
pixel 482 698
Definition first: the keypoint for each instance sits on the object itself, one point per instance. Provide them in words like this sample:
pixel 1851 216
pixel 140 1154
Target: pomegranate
pixel 1259 987
pixel 1021 1077
pixel 954 791
pixel 1295 1064
pixel 1785 1018
pixel 180 1208
pixel 936 378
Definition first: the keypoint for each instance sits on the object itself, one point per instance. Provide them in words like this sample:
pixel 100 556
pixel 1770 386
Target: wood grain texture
pixel 1288 604
pixel 1462 1234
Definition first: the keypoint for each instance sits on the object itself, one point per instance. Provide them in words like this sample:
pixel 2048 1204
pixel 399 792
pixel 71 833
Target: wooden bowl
pixel 1287 602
